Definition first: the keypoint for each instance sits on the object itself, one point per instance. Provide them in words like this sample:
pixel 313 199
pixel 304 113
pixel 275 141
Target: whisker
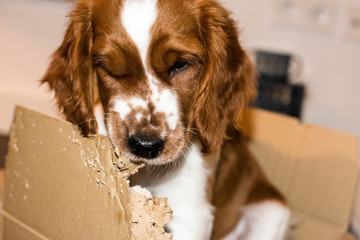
pixel 88 120
pixel 195 130
pixel 191 130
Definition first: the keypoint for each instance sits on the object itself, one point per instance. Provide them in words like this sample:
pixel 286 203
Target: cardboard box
pixel 315 167
pixel 59 185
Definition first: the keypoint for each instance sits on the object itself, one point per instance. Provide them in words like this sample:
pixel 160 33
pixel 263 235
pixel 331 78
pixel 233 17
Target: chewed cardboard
pixel 60 185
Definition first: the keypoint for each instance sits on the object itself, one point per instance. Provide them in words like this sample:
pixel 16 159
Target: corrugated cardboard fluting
pixel 315 167
pixel 60 185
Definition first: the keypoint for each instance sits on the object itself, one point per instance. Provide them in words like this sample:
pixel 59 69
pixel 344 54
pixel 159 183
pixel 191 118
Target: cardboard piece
pixel 315 167
pixel 59 185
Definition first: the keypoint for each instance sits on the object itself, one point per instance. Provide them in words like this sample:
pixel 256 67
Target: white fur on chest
pixel 185 189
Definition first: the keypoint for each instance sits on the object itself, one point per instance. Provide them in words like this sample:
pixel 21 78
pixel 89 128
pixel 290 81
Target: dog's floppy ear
pixel 227 80
pixel 70 73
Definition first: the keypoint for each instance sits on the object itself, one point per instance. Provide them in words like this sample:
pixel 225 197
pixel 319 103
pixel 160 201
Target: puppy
pixel 171 80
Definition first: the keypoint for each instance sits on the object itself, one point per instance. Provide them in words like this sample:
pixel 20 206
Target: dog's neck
pixel 186 184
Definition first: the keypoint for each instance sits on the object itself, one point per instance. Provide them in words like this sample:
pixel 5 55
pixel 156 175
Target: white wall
pixel 331 63
pixel 30 31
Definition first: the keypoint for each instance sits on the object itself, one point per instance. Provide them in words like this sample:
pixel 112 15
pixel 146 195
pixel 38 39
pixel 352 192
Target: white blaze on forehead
pixel 137 17
pixel 165 101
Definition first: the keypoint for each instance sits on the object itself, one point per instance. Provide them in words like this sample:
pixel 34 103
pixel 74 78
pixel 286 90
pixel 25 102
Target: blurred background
pixel 307 53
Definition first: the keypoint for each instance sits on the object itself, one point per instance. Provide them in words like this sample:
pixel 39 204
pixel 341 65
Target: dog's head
pixel 164 70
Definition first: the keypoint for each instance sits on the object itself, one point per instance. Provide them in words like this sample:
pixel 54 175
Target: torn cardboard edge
pixel 77 187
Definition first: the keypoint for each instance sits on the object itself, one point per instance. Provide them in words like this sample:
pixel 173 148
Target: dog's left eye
pixel 177 67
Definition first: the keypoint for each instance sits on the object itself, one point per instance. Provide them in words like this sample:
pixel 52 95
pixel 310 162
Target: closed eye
pixel 100 63
pixel 115 75
pixel 109 73
pixel 178 67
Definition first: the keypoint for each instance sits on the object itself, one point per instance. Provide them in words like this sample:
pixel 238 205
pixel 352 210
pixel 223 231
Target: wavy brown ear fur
pixel 70 73
pixel 228 78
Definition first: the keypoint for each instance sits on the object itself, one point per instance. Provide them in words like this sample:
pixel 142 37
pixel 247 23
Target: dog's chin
pixel 159 161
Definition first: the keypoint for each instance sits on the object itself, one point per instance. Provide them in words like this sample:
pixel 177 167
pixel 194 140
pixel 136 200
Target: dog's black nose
pixel 145 147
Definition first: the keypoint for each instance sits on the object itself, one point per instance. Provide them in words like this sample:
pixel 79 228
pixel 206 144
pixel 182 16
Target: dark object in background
pixel 273 67
pixel 3 149
pixel 282 98
pixel 275 93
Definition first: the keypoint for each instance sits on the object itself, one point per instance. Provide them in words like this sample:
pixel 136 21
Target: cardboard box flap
pixel 315 167
pixel 76 187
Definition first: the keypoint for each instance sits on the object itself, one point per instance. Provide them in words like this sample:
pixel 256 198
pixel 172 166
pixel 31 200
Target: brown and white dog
pixel 171 80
